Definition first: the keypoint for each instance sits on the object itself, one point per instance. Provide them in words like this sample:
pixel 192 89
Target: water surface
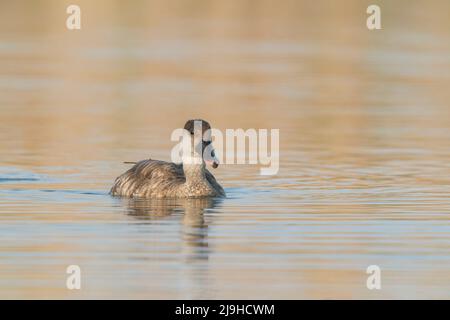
pixel 364 123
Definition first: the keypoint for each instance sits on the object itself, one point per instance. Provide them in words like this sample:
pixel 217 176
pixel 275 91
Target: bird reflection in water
pixel 191 212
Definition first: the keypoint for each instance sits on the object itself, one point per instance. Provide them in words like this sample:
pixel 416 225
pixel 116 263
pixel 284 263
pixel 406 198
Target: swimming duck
pixel 189 179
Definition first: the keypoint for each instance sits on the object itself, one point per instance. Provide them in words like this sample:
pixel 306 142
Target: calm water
pixel 364 121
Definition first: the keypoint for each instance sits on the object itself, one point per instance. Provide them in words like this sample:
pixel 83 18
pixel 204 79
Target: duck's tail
pixel 134 162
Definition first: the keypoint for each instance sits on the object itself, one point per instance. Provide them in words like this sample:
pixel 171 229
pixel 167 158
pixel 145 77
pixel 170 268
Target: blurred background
pixel 364 119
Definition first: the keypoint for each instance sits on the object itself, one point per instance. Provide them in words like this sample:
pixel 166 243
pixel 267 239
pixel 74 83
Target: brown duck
pixel 161 179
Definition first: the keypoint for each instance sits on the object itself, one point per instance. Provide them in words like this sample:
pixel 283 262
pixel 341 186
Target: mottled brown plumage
pixel 160 179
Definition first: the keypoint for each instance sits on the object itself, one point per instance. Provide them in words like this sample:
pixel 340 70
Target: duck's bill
pixel 213 163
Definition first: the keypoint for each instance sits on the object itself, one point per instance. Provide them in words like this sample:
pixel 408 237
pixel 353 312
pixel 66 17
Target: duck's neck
pixel 195 174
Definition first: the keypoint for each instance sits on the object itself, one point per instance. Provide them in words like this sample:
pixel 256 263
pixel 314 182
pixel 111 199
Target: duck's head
pixel 202 150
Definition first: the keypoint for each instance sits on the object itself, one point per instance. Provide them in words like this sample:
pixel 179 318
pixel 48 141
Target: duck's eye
pixel 206 143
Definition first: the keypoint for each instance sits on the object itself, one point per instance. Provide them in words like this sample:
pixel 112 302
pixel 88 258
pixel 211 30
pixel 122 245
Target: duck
pixel 161 179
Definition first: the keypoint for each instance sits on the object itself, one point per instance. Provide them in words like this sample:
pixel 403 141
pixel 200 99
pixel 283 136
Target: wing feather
pixel 147 177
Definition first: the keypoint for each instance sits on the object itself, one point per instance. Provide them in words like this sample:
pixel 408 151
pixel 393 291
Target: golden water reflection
pixel 364 124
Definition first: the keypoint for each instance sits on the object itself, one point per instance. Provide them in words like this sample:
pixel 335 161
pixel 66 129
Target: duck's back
pixel 150 178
